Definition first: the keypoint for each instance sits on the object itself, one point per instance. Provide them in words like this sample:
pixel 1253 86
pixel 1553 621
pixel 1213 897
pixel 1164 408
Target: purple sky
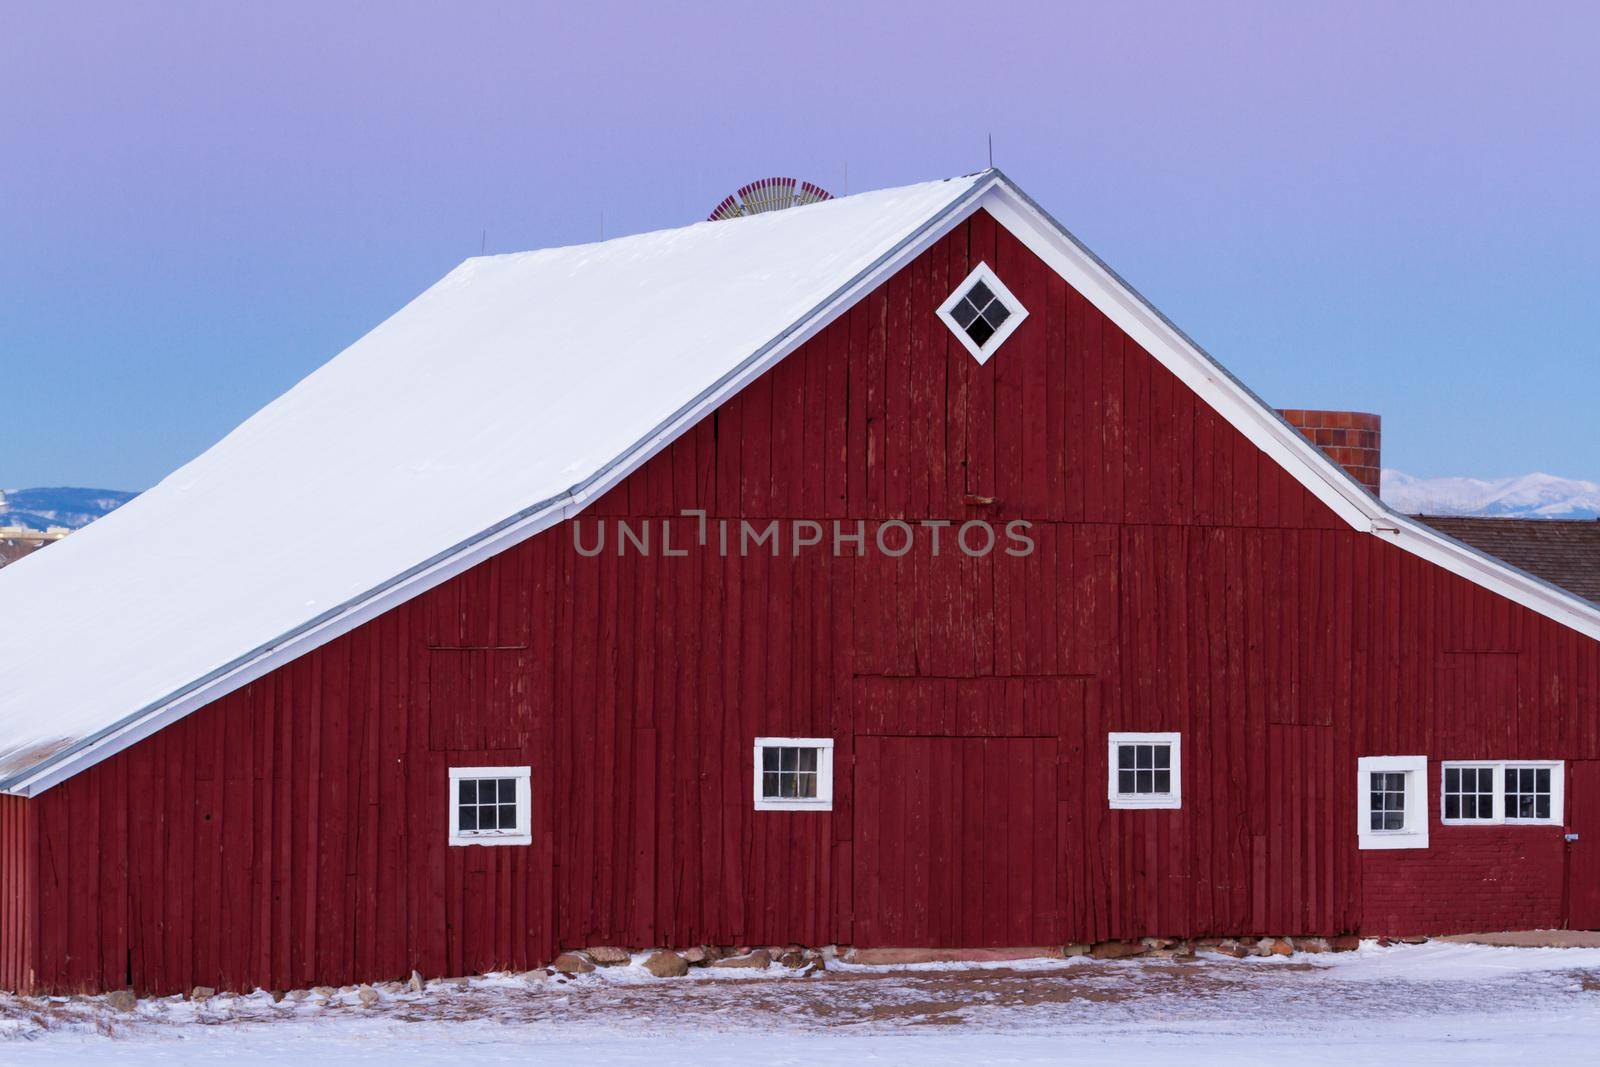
pixel 1390 207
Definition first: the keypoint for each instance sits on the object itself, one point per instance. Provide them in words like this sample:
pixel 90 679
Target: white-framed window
pixel 1392 801
pixel 982 312
pixel 1469 793
pixel 491 806
pixel 1512 792
pixel 1145 770
pixel 794 773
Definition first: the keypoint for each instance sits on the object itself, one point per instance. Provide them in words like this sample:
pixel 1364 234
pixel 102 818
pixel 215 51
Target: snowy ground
pixel 1425 1004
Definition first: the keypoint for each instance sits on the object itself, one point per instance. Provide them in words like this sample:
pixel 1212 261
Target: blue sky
pixel 1388 207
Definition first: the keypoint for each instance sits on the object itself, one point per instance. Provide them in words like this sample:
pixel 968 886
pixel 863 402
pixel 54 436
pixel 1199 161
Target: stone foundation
pixel 676 962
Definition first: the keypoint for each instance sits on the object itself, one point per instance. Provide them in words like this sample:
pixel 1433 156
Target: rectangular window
pixel 1533 792
pixel 1469 794
pixel 1490 792
pixel 794 772
pixel 1388 800
pixel 1145 771
pixel 490 806
pixel 1392 800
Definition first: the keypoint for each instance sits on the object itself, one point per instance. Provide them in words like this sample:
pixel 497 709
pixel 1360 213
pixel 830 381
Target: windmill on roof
pixel 768 194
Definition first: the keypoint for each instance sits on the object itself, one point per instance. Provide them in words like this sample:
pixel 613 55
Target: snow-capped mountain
pixel 1532 496
pixel 39 509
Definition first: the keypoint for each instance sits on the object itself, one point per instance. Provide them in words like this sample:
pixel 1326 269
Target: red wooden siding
pixel 294 832
pixel 19 888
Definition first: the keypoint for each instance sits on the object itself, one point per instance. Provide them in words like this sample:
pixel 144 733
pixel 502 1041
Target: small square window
pixel 794 772
pixel 1393 801
pixel 490 806
pixel 982 312
pixel 1468 793
pixel 1533 792
pixel 1145 771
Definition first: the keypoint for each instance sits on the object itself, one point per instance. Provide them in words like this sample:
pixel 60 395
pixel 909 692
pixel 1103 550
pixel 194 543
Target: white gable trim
pixel 1261 423
pixel 1056 246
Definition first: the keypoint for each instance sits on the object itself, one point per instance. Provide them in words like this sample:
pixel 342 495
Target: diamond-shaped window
pixel 982 312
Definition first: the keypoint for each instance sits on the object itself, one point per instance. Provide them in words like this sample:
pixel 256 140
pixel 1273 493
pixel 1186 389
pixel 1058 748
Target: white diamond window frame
pixel 1017 313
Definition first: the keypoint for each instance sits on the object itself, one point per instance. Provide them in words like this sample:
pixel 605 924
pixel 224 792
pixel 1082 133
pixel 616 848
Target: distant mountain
pixel 39 509
pixel 1529 496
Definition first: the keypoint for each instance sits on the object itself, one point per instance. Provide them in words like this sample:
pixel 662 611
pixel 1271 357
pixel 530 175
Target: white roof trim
pixel 338 621
pixel 1261 423
pixel 1056 246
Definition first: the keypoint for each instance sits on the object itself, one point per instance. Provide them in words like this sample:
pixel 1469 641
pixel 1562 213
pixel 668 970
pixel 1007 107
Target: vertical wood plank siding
pixel 293 833
pixel 19 915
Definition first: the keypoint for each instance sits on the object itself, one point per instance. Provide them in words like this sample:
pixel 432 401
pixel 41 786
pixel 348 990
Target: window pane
pixel 469 818
pixel 1394 820
pixel 1543 807
pixel 1377 819
pixel 468 791
pixel 980 332
pixel 1163 756
pixel 486 819
pixel 808 760
pixel 1125 757
pixel 1452 807
pixel 769 783
pixel 769 759
pixel 807 783
pixel 1125 781
pixel 1452 779
pixel 787 761
pixel 508 816
pixel 997 314
pixel 1542 779
pixel 1145 782
pixel 1163 781
pixel 980 295
pixel 508 790
pixel 963 313
pixel 1527 779
pixel 787 784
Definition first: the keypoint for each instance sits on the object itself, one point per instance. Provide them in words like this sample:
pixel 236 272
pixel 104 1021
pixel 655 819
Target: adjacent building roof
pixel 503 400
pixel 1564 552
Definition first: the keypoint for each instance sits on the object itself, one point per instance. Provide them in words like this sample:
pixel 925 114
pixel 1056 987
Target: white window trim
pixel 1558 776
pixel 983 273
pixel 522 835
pixel 1497 786
pixel 1174 799
pixel 1415 834
pixel 823 801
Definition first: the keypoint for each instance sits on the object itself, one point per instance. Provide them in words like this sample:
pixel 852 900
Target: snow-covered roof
pixel 511 381
pixel 499 402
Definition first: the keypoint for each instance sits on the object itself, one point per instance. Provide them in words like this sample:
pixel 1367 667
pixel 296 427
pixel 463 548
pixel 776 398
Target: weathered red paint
pixel 293 833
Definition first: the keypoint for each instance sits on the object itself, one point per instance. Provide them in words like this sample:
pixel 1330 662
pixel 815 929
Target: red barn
pixel 884 571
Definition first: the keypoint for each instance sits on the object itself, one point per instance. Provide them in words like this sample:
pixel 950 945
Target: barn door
pixel 955 841
pixel 1583 851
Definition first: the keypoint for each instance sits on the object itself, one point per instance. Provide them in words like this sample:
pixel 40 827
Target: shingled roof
pixel 1564 552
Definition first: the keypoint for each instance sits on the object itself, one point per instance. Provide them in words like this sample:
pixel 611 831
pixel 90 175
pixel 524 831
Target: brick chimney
pixel 1352 439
